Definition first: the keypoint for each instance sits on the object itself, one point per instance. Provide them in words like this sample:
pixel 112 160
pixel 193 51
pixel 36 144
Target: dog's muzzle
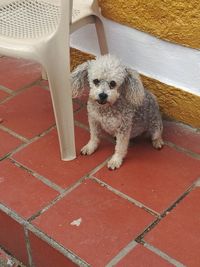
pixel 102 98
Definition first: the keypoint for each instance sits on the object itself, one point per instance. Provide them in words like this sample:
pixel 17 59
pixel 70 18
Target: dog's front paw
pixel 88 149
pixel 114 163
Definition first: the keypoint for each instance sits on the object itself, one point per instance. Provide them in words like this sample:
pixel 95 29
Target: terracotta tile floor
pixel 78 213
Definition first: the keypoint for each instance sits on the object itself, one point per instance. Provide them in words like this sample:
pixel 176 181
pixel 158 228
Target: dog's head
pixel 107 80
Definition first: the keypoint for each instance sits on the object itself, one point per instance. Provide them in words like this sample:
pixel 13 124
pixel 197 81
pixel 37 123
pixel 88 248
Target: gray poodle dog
pixel 118 103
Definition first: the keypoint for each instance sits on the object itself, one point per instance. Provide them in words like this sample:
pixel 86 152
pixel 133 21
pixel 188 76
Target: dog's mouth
pixel 101 102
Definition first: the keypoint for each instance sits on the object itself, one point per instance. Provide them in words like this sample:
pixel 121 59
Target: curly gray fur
pixel 118 103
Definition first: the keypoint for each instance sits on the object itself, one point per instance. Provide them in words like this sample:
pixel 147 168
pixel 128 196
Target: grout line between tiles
pixel 122 254
pixel 59 197
pixel 183 125
pixel 38 176
pixel 178 200
pixel 124 196
pixel 18 91
pixel 164 255
pixel 6 90
pixel 28 247
pixel 12 259
pixel 30 141
pixel 81 125
pixel 45 87
pixel 11 132
pixel 64 251
pixel 183 150
pixel 25 140
pixel 97 168
pixel 13 214
pixel 42 178
pixel 62 192
pixel 140 237
pixel 131 245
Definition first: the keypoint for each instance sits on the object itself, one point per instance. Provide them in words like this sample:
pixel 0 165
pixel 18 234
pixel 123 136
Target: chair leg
pixel 101 36
pixel 59 82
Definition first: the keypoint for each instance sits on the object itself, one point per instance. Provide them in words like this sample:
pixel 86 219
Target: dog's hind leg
pixel 156 137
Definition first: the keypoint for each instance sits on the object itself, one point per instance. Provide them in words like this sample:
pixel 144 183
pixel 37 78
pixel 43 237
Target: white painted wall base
pixel 164 61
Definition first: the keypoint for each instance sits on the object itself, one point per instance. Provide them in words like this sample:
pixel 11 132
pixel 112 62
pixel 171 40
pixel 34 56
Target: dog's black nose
pixel 103 96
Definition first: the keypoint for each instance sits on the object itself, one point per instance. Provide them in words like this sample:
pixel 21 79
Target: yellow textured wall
pixel 78 57
pixel 175 103
pixel 177 21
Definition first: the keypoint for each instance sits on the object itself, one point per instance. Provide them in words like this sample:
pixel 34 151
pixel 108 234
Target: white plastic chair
pixel 40 30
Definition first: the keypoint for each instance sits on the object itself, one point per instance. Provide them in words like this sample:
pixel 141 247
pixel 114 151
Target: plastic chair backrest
pixel 66 12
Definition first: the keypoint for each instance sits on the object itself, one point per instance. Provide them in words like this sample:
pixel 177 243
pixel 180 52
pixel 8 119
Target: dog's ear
pixel 133 87
pixel 79 79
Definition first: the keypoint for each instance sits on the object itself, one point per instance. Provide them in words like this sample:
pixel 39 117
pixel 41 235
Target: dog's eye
pixel 96 81
pixel 112 84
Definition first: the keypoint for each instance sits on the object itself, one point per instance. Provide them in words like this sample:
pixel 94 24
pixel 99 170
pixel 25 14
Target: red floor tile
pixel 43 156
pixel 82 116
pixel 178 234
pixel 84 97
pixel 182 136
pixel 3 95
pixel 7 143
pixel 17 73
pixel 155 178
pixel 142 257
pixel 54 258
pixel 22 192
pixel 12 237
pixel 29 113
pixel 107 223
pixel 76 106
pixel 44 83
